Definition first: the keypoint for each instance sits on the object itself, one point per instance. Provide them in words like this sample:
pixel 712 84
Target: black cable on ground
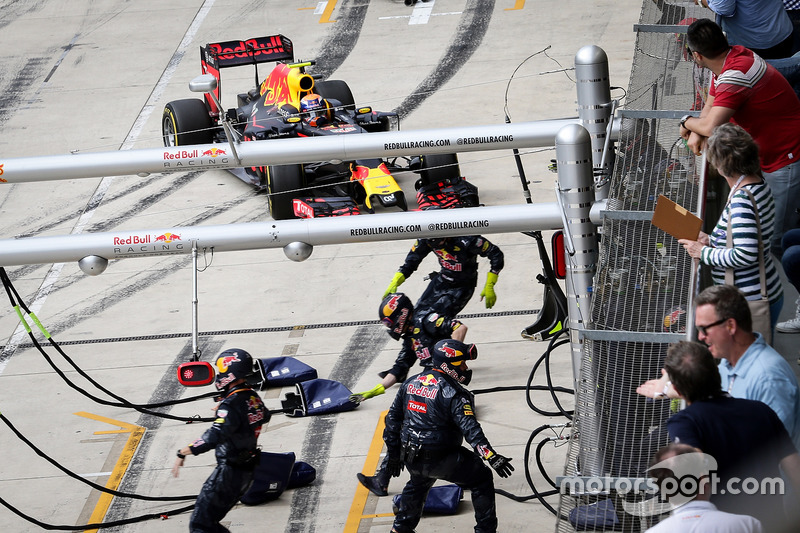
pixel 18 303
pixel 92 484
pixel 82 527
pixel 552 345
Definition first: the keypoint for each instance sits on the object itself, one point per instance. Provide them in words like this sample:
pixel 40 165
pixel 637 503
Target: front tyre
pixel 284 184
pixel 186 122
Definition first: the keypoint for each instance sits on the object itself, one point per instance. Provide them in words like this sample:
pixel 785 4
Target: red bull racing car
pixel 291 103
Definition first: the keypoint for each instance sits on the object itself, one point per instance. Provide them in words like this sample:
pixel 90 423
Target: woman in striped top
pixel 732 151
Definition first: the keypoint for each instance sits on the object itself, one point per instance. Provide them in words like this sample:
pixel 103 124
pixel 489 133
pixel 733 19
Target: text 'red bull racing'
pixel 291 103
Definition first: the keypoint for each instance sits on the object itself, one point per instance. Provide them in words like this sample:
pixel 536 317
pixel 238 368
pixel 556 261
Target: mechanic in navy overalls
pixel 430 417
pixel 233 435
pixel 451 288
pixel 420 332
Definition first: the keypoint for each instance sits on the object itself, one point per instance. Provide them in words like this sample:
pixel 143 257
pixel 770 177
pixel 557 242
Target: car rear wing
pixel 257 50
pixel 226 54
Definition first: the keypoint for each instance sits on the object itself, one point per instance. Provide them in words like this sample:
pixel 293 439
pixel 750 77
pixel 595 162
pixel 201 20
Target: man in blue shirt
pixel 760 25
pixel 749 367
pixel 745 438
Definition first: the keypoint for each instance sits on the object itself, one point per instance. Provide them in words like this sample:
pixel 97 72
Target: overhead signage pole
pixel 281 151
pixel 288 234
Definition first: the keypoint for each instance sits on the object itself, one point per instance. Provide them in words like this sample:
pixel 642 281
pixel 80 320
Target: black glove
pixel 394 466
pixel 501 465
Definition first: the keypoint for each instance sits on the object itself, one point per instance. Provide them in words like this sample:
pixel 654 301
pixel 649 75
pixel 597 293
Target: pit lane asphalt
pixel 95 76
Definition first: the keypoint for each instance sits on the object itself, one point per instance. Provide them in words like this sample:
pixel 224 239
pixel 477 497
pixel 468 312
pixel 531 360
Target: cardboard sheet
pixel 676 220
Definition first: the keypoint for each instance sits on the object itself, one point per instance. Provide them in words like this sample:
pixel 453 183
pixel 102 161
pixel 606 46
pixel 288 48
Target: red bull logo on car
pixel 1 173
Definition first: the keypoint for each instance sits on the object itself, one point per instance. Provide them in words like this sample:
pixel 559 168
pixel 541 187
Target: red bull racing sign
pixel 180 159
pixel 148 244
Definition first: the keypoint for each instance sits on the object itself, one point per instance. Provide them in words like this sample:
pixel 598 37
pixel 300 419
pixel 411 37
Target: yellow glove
pixel 359 397
pixel 488 290
pixel 397 280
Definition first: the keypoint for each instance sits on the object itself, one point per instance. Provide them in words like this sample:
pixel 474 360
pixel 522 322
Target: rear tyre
pixel 438 167
pixel 336 90
pixel 283 185
pixel 186 122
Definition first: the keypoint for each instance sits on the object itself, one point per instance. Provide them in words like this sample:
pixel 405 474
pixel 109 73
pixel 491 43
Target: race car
pixel 291 103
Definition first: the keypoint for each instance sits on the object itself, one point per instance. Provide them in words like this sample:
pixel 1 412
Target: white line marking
pixel 105 183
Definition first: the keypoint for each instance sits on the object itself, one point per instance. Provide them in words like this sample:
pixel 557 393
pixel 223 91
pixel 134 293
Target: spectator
pixel 734 154
pixel 755 95
pixel 791 266
pixel 760 25
pixel 698 515
pixel 749 368
pixel 793 10
pixel 745 437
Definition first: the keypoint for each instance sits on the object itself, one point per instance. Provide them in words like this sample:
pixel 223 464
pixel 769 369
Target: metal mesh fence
pixel 643 279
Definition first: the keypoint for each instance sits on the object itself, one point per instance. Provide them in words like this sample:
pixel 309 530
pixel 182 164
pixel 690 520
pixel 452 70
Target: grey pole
pixel 595 110
pixel 576 191
pixel 282 151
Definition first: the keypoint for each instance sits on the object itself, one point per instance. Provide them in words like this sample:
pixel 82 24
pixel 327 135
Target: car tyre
pixel 186 122
pixel 283 185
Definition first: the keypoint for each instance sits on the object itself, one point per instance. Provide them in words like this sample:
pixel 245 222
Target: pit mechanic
pixel 233 436
pixel 419 332
pixel 452 287
pixel 429 419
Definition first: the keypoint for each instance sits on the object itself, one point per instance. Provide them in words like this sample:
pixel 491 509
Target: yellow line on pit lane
pixel 519 5
pixel 136 434
pixel 370 464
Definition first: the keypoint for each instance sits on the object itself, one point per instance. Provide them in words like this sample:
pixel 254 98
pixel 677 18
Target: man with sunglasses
pixel 749 368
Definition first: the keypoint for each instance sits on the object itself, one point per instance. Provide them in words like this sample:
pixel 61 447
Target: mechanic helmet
pixel 232 365
pixel 451 356
pixel 396 312
pixel 313 105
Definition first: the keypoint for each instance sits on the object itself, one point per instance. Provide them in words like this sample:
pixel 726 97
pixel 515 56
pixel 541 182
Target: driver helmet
pixel 396 313
pixel 312 106
pixel 232 365
pixel 451 356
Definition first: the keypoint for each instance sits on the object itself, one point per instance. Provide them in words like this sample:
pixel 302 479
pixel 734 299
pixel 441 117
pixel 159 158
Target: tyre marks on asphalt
pixel 342 38
pixel 470 32
pixel 105 183
pixel 362 348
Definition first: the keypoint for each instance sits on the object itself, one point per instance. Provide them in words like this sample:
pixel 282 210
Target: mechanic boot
pixel 373 483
